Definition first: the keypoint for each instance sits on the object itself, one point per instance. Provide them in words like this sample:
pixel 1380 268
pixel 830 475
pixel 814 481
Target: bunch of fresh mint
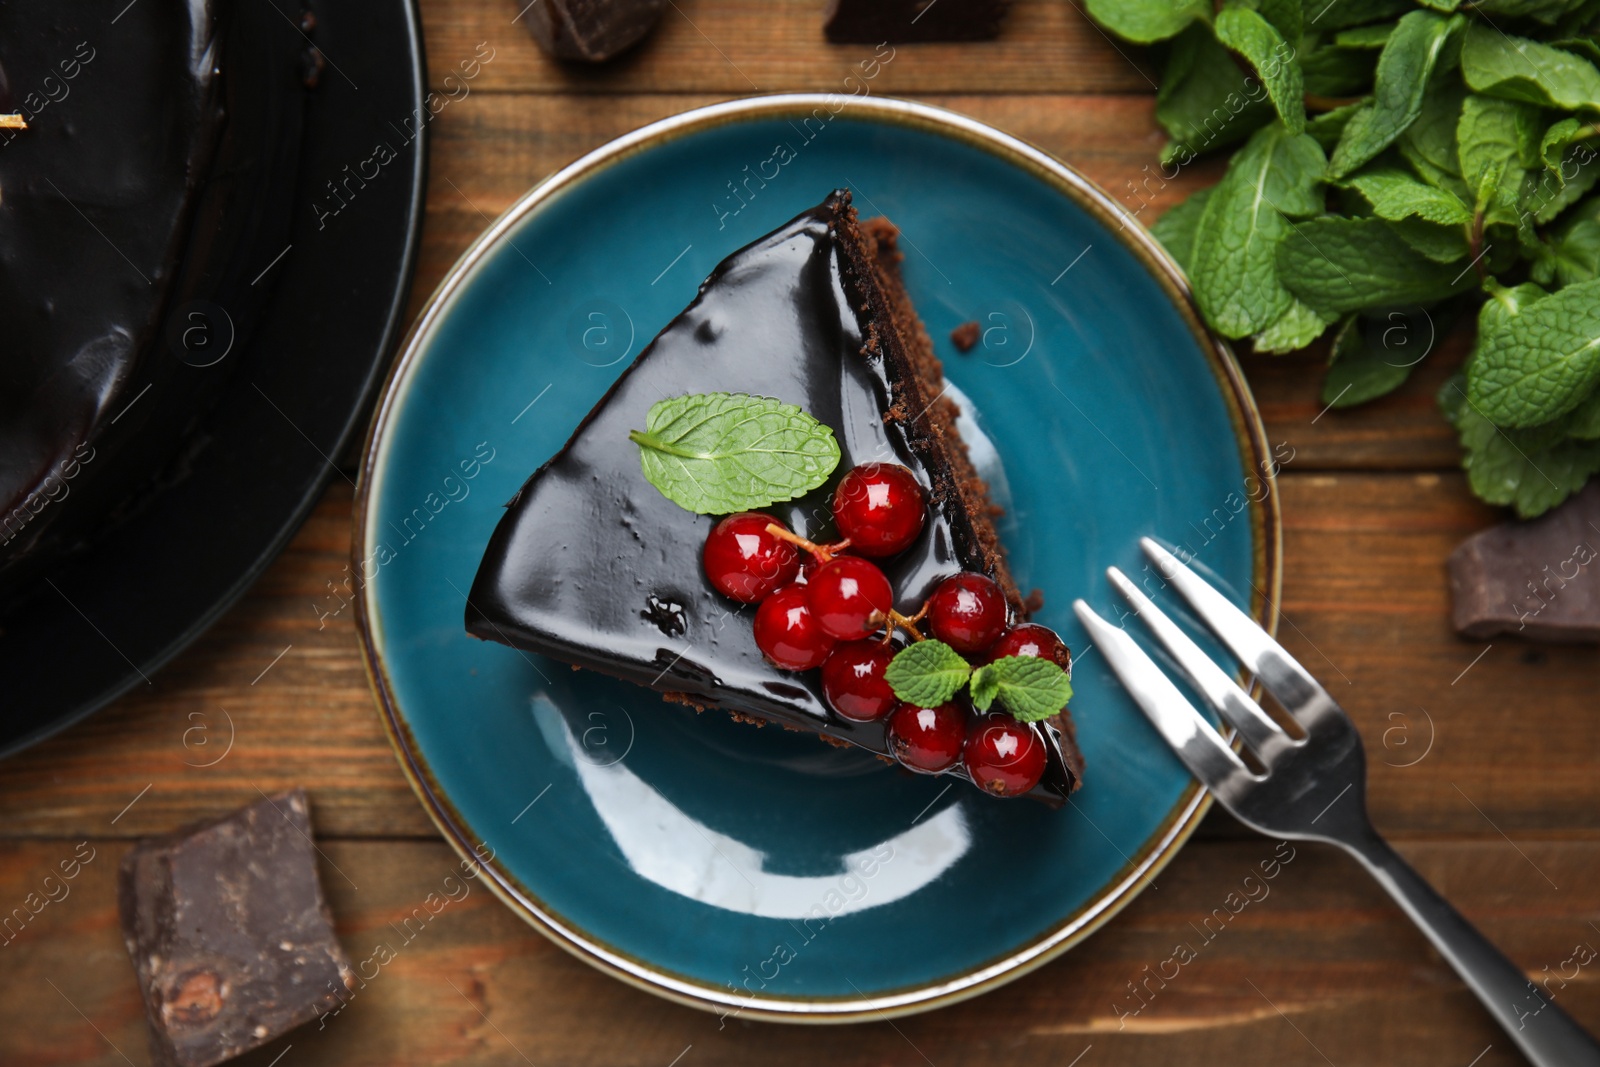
pixel 1401 161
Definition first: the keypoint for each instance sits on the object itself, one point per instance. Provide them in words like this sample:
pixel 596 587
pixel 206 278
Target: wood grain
pixel 1320 966
pixel 1365 608
pixel 734 47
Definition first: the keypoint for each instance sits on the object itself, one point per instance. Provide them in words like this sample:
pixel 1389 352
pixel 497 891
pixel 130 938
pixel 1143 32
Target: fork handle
pixel 1547 1036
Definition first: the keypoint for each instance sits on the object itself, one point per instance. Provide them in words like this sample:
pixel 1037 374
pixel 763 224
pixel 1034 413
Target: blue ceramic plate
pixel 758 871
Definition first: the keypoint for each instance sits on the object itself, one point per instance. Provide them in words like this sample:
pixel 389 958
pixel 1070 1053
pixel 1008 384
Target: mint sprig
pixel 928 673
pixel 718 453
pixel 1028 687
pixel 1390 161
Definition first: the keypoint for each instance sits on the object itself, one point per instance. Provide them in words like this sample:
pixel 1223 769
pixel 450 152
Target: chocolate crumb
pixel 965 336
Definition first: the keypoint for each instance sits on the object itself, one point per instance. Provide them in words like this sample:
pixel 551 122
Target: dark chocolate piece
pixel 591 30
pixel 1535 579
pixel 965 336
pixel 229 933
pixel 592 565
pixel 910 21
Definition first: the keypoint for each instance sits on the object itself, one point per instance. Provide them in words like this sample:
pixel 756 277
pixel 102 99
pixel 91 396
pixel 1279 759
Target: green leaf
pixel 1176 229
pixel 985 686
pixel 1365 36
pixel 1571 169
pixel 1498 141
pixel 1359 372
pixel 1429 144
pixel 1504 470
pixel 1029 687
pixel 1583 421
pixel 1236 240
pixel 1516 68
pixel 1332 71
pixel 1259 42
pixel 1541 362
pixel 1205 101
pixel 1546 11
pixel 1441 5
pixel 1146 21
pixel 717 453
pixel 1404 68
pixel 1573 251
pixel 927 673
pixel 1327 128
pixel 1442 244
pixel 1342 265
pixel 1394 194
pixel 1297 327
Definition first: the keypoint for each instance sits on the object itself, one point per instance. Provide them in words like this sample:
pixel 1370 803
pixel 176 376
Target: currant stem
pixel 823 553
pixel 907 623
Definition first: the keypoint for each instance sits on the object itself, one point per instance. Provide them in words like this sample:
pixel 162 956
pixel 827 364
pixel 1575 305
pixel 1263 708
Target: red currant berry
pixel 880 508
pixel 850 597
pixel 852 679
pixel 787 633
pixel 1031 639
pixel 927 739
pixel 746 562
pixel 967 612
pixel 1005 757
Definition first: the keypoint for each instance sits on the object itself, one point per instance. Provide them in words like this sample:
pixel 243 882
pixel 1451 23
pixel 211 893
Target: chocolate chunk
pixel 908 21
pixel 591 30
pixel 965 336
pixel 1536 579
pixel 229 933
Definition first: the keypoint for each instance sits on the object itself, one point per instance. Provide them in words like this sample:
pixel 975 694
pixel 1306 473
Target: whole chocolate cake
pixel 147 175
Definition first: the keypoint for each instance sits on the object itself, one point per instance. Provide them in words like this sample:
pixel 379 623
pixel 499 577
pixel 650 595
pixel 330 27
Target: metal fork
pixel 1313 788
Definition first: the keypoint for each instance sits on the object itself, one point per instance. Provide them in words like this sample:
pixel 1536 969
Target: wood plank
pixel 728 46
pixel 1318 968
pixel 488 150
pixel 1365 609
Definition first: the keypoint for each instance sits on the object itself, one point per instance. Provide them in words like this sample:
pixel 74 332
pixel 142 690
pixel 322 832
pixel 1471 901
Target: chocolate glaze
pixel 593 566
pixel 154 182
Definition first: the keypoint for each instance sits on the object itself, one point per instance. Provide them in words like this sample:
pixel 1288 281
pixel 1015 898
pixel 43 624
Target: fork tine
pixel 1279 673
pixel 1220 691
pixel 1199 746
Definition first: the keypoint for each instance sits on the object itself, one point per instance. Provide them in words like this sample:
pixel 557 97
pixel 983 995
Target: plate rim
pixel 1157 850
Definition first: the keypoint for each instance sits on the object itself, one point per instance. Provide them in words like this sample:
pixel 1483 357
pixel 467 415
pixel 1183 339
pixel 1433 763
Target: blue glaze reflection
pixel 664 845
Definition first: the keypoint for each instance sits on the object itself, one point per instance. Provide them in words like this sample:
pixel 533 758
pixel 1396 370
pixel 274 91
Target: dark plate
pixel 105 620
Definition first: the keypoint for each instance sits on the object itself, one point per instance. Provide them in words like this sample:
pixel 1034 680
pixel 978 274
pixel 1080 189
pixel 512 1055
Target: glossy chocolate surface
pixel 594 566
pixel 153 183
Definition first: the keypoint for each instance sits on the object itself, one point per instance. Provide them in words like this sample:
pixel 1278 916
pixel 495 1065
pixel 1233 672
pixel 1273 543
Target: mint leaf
pixel 1297 327
pixel 1571 168
pixel 1259 42
pixel 1176 229
pixel 1538 364
pixel 1394 194
pixel 1028 687
pixel 717 453
pixel 1337 72
pixel 1504 470
pixel 1442 244
pixel 1516 68
pixel 1429 144
pixel 1583 421
pixel 1404 67
pixel 1205 101
pixel 1365 36
pixel 1353 13
pixel 985 686
pixel 1546 11
pixel 1572 254
pixel 1359 371
pixel 1242 225
pixel 927 673
pixel 1328 127
pixel 1147 21
pixel 1340 265
pixel 1498 141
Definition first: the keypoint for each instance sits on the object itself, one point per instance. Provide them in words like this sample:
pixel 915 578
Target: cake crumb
pixel 965 336
pixel 1033 603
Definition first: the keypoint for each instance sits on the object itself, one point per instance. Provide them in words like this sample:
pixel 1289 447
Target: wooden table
pixel 1483 755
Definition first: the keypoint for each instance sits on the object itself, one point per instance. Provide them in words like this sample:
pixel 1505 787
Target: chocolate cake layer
pixel 593 566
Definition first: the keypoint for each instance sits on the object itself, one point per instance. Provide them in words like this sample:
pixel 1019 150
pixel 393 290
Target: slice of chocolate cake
pixel 595 566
